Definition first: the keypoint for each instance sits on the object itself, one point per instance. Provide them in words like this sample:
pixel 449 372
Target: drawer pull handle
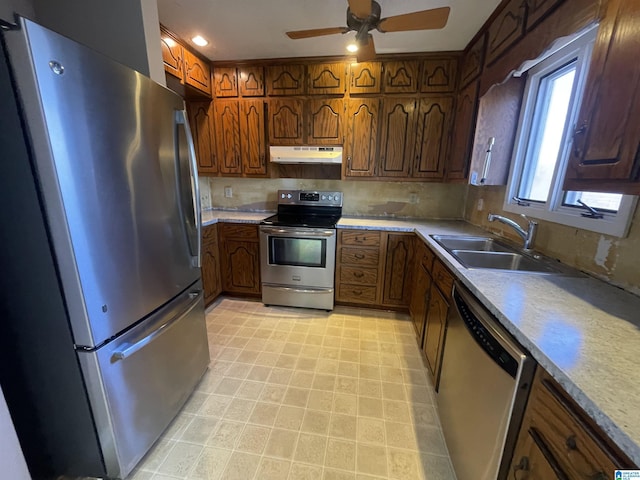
pixel 357 292
pixel 358 274
pixel 361 239
pixel 359 256
pixel 523 465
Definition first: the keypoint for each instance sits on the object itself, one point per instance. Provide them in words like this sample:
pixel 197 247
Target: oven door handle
pixel 288 232
pixel 303 290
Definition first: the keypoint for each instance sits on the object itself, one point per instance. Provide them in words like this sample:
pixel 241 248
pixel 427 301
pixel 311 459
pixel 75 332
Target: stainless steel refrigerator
pixel 102 328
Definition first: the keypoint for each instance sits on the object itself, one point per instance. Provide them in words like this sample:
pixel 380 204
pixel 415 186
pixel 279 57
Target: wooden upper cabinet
pixel 251 81
pixel 401 77
pixel 361 142
pixel 538 9
pixel 285 80
pixel 506 29
pixel 325 121
pixel 286 121
pixel 365 78
pixel 326 78
pixel 396 136
pixel 433 130
pixel 197 73
pixel 604 155
pixel 172 55
pixel 439 75
pixel 225 82
pixel 201 123
pixel 472 61
pixel 398 270
pixel 227 122
pixel 253 138
pixel 463 132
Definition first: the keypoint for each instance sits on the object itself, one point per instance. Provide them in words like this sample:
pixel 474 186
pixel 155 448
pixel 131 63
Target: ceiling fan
pixel 364 16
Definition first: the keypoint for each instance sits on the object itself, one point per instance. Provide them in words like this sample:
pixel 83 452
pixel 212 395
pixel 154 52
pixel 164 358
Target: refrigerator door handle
pixel 181 119
pixel 129 349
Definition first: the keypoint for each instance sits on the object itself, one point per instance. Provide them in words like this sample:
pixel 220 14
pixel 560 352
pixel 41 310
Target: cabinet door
pixel 211 280
pixel 253 137
pixel 396 136
pixel 420 294
pixel 434 331
pixel 201 123
pixel 361 143
pixel 197 73
pixel 529 461
pixel 538 9
pixel 366 78
pixel 172 55
pixel 463 131
pixel 285 80
pixel 439 75
pixel 326 78
pixel 401 77
pixel 285 122
pixel 506 29
pixel 398 270
pixel 432 137
pixel 604 156
pixel 227 124
pixel 251 81
pixel 225 82
pixel 472 61
pixel 324 125
pixel 241 267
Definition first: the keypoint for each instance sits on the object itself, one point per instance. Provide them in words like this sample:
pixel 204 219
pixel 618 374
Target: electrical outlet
pixel 413 198
pixel 228 192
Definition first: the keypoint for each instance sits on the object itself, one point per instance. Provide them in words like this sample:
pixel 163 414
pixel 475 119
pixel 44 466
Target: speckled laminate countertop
pixel 584 332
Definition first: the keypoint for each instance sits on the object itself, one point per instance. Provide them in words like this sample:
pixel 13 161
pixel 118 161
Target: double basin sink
pixel 488 253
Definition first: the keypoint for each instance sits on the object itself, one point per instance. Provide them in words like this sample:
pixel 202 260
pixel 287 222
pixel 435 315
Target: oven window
pixel 302 252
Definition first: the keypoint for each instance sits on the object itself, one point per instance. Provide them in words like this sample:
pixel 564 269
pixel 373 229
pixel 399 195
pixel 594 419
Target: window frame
pixel 617 224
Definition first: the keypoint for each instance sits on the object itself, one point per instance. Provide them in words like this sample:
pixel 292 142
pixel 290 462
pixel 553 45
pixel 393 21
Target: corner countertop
pixel 584 332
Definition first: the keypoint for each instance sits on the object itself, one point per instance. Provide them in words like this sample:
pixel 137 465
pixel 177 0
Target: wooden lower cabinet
pixel 211 280
pixel 435 328
pixel 374 268
pixel 240 252
pixel 420 293
pixel 557 439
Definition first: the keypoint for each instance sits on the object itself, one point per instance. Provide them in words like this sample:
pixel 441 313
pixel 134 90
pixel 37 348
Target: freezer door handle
pixel 129 349
pixel 181 119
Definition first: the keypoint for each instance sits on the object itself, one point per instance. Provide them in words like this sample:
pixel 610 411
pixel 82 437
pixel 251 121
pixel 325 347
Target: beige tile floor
pixel 301 394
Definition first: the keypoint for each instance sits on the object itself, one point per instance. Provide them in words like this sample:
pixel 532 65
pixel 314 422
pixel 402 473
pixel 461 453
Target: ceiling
pixel 252 29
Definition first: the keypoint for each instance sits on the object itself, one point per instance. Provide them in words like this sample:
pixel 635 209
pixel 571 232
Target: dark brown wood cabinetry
pixel 439 75
pixel 327 78
pixel 285 80
pixel 557 439
pixel 397 131
pixel 201 123
pixel 225 82
pixel 366 77
pixel 227 123
pixel 433 127
pixel 253 146
pixel 606 142
pixel 401 77
pixel 361 139
pixel 211 280
pixel 423 259
pixel 251 81
pixel 463 132
pixel 286 120
pixel 472 61
pixel 197 72
pixel 538 9
pixel 185 67
pixel 325 119
pixel 172 54
pixel 506 29
pixel 240 252
pixel 398 270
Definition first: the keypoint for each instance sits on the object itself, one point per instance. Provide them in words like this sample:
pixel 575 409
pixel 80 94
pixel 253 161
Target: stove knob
pixel 288 195
pixel 283 195
pixel 324 197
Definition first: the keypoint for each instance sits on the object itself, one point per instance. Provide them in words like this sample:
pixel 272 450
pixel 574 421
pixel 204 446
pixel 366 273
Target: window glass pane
pixel 554 95
pixel 602 201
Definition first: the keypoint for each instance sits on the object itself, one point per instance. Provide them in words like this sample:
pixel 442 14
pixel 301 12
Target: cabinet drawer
pixel 443 278
pixel 359 256
pixel 360 237
pixel 239 231
pixel 210 234
pixel 358 275
pixel 426 258
pixel 356 294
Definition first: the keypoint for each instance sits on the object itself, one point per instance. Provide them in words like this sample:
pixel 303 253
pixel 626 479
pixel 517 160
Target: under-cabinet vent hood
pixel 306 154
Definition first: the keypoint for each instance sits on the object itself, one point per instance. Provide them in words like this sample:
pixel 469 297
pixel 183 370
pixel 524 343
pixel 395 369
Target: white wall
pixel 12 464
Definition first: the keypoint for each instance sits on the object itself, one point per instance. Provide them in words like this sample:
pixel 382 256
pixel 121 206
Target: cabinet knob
pixel 357 292
pixel 522 466
pixel 571 442
pixel 359 256
pixel 358 274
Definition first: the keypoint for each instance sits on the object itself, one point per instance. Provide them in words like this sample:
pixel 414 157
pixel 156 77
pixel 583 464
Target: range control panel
pixel 309 197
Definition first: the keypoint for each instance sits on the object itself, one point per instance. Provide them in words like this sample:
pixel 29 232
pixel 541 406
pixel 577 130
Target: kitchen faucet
pixel 527 235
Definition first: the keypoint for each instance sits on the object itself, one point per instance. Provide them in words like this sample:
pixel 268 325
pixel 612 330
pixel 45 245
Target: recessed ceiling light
pixel 200 41
pixel 352 47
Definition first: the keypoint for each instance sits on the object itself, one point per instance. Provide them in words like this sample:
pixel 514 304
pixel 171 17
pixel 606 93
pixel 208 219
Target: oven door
pixel 293 256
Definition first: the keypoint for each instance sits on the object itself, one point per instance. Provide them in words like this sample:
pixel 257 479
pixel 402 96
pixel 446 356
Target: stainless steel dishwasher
pixel 484 384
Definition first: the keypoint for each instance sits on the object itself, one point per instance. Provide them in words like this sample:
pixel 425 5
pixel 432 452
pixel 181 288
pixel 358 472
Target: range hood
pixel 306 154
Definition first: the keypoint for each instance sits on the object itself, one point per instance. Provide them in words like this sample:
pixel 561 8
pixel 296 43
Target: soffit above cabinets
pixel 254 29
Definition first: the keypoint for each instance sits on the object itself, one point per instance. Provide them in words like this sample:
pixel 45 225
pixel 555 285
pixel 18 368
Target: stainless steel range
pixel 298 249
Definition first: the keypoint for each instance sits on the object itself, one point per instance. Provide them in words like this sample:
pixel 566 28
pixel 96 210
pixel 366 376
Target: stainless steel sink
pixel 503 261
pixel 477 244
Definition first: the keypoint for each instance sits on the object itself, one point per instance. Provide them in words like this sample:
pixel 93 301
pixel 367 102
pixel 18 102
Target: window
pixel 549 110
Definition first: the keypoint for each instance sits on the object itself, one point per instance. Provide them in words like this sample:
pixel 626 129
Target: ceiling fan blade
pixel 360 8
pixel 316 32
pixel 367 52
pixel 423 20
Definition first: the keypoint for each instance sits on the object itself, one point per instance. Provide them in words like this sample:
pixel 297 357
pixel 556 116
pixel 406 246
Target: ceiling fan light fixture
pixel 352 47
pixel 200 41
